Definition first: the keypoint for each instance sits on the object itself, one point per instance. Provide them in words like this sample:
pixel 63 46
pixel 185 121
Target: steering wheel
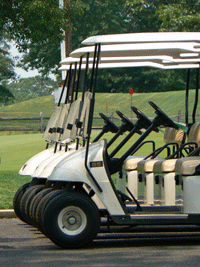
pixel 165 120
pixel 110 126
pixel 145 122
pixel 129 124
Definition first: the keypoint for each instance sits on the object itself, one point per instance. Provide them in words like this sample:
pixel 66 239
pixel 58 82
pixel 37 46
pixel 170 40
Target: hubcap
pixel 72 220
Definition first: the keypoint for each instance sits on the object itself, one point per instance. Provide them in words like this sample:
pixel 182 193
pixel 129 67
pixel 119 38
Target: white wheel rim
pixel 72 220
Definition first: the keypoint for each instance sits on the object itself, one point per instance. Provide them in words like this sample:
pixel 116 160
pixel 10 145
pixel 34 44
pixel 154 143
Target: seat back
pixel 194 133
pixel 60 123
pixel 85 114
pixel 78 118
pixel 69 127
pixel 51 123
pixel 174 135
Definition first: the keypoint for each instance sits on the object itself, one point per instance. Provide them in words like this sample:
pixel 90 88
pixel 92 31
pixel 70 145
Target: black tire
pixel 26 200
pixel 17 199
pixel 71 220
pixel 34 204
pixel 41 207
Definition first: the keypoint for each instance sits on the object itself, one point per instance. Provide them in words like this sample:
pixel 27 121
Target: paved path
pixel 22 245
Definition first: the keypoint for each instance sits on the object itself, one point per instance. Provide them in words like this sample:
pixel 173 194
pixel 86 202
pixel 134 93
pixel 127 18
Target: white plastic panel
pixel 191 194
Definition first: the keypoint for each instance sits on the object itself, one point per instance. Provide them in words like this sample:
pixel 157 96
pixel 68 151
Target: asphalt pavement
pixel 22 245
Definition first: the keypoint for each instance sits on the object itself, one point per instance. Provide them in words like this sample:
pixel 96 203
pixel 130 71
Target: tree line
pixel 36 26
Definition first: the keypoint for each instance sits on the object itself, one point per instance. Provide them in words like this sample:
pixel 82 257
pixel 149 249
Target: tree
pixel 143 80
pixel 87 18
pixel 180 16
pixel 98 17
pixel 21 18
pixel 5 95
pixel 27 88
pixel 43 57
pixel 6 72
pixel 110 17
pixel 32 21
pixel 142 16
pixel 37 28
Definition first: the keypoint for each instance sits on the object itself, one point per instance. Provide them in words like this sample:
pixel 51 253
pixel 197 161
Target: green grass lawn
pixel 17 149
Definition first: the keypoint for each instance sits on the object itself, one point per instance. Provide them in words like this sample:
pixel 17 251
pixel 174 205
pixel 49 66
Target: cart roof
pixel 137 64
pixel 165 55
pixel 181 50
pixel 149 37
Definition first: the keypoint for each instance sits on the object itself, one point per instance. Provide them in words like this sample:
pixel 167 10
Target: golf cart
pixel 74 128
pixel 71 216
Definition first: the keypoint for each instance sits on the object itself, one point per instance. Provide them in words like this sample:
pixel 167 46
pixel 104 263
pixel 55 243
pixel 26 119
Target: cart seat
pixel 132 162
pixel 171 135
pixel 147 165
pixel 187 166
pixel 164 166
pixel 168 165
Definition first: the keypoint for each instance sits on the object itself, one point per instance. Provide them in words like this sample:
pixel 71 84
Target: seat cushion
pixel 164 166
pixel 187 166
pixel 131 163
pixel 147 165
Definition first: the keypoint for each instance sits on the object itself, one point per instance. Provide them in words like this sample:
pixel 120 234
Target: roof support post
pixel 196 96
pixel 186 96
pixel 92 89
pixel 64 85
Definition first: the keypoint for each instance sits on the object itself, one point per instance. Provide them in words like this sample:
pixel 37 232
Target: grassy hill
pixel 170 102
pixel 29 108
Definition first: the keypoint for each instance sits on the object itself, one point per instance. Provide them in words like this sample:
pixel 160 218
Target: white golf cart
pixel 71 216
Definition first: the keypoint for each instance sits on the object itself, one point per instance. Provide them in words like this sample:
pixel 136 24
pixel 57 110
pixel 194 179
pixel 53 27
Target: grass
pixel 15 151
pixel 29 108
pixel 10 181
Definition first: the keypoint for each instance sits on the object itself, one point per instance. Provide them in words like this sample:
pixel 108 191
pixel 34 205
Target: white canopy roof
pixel 147 50
pixel 152 64
pixel 148 37
pixel 173 50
